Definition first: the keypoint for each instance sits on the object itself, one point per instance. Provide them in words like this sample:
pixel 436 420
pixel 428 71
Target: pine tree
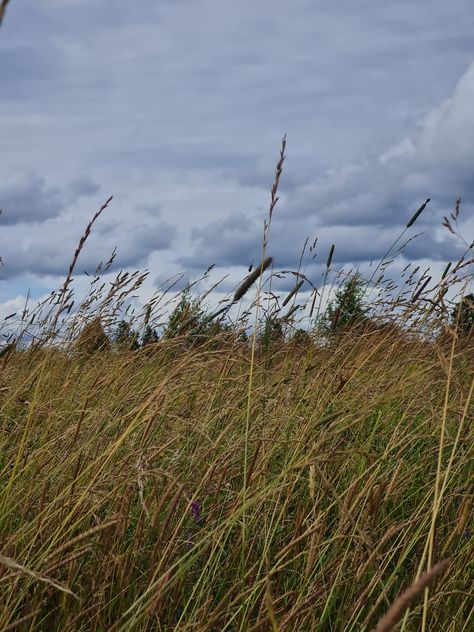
pixel 189 319
pixel 348 307
pixel 125 337
pixel 149 336
pixel 182 317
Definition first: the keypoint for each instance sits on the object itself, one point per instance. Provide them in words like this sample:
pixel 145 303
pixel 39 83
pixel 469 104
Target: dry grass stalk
pixel 3 7
pixel 270 606
pixel 70 558
pixel 195 427
pixel 293 292
pixel 6 353
pixel 330 256
pixel 64 291
pixel 400 605
pixel 276 182
pixel 79 538
pixel 15 625
pixel 377 549
pixel 463 515
pixel 19 568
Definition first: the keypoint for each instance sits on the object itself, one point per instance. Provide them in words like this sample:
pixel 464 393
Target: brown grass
pixel 297 485
pixel 399 606
pixel 3 8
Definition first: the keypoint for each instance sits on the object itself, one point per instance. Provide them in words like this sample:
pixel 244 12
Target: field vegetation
pixel 260 464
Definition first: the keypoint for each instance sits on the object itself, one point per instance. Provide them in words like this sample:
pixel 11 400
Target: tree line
pixel 347 309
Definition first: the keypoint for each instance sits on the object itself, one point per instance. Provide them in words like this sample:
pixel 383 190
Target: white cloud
pixel 447 133
pixel 12 306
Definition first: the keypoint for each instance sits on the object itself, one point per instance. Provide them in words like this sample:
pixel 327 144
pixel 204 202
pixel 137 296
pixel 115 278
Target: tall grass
pixel 3 8
pixel 311 483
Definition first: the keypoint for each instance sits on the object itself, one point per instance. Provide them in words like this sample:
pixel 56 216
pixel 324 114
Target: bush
pixel 125 337
pixel 348 307
pixel 92 338
pixel 188 319
pixel 462 315
pixel 149 336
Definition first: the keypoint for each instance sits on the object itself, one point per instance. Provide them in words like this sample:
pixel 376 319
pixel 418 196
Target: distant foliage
pixel 272 331
pixel 149 336
pixel 348 308
pixel 301 338
pixel 186 313
pixel 462 315
pixel 189 319
pixel 125 337
pixel 92 338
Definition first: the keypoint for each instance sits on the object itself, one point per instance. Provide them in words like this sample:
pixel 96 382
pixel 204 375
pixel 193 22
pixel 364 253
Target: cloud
pixel 363 207
pixel 83 186
pixel 42 225
pixel 238 241
pixel 436 160
pixel 36 253
pixel 12 306
pixel 27 198
pixel 178 110
pixel 446 135
pixel 26 67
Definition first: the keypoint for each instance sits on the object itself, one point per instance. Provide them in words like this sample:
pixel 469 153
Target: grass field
pixel 212 482
pixel 198 488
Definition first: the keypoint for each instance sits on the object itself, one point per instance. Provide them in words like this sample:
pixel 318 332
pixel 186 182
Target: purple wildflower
pixel 196 511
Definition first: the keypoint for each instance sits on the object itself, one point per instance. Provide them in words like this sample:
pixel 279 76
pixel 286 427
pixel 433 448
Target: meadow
pixel 255 477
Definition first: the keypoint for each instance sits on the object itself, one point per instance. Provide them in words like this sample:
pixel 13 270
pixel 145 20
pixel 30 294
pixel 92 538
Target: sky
pixel 177 109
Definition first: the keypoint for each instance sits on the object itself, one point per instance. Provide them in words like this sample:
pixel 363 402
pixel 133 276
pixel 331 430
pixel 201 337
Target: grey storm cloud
pixel 195 79
pixel 238 241
pixel 232 241
pixel 178 107
pixel 361 207
pixel 39 254
pixel 84 186
pixel 28 198
pixel 25 67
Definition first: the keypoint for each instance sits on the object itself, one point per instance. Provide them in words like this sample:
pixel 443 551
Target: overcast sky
pixel 177 108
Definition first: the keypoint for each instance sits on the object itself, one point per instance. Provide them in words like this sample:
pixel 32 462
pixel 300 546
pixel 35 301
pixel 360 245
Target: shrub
pixel 125 337
pixel 188 319
pixel 348 307
pixel 462 315
pixel 149 336
pixel 92 338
